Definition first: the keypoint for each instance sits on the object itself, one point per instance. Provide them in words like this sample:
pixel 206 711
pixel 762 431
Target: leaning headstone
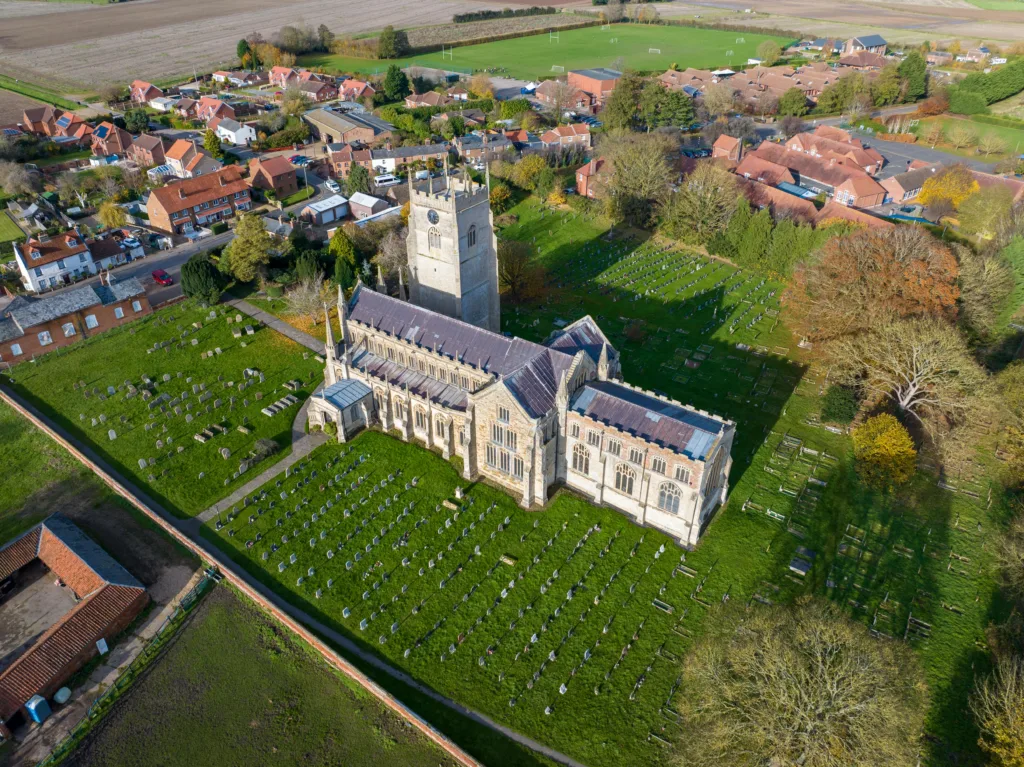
pixel 225 453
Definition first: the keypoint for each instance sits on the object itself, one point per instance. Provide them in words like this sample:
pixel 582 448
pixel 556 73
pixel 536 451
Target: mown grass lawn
pixel 235 688
pixel 303 194
pixel 72 385
pixel 1013 138
pixel 9 231
pixel 641 47
pixel 707 334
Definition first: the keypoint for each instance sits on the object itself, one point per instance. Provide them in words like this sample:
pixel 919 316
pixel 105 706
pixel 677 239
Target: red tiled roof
pixel 195 191
pixel 47 663
pixel 726 142
pixel 781 203
pixel 18 553
pixel 70 243
pixel 766 171
pixel 273 167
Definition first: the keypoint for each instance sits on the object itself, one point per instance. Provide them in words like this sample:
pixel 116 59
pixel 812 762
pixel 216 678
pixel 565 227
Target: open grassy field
pixel 9 231
pixel 999 5
pixel 534 56
pixel 1012 138
pixel 482 629
pixel 153 442
pixel 234 688
pixel 36 92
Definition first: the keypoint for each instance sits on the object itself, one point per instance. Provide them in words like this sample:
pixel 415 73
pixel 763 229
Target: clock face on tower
pixel 432 216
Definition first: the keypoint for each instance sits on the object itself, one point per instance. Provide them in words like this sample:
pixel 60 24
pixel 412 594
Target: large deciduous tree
pixel 998 706
pixel 640 176
pixel 518 275
pixel 801 685
pixel 885 453
pixel 703 205
pixel 920 364
pixel 859 282
pixel 112 215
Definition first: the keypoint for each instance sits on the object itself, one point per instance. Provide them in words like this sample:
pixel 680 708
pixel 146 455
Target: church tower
pixel 453 258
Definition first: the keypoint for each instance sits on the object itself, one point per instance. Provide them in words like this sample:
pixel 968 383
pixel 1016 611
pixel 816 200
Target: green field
pixel 534 56
pixel 1013 138
pixel 9 231
pixel 705 333
pixel 999 5
pixel 235 688
pixel 37 92
pixel 72 385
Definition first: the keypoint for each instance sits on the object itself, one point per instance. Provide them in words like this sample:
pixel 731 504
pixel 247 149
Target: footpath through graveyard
pixel 279 325
pixel 302 445
pixel 311 630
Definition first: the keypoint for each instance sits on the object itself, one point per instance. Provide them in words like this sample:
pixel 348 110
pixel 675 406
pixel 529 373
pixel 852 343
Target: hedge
pixel 1006 122
pixel 422 49
pixel 505 13
pixel 995 86
pixel 219 228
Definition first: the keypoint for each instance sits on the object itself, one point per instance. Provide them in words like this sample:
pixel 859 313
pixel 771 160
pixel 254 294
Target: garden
pixel 200 400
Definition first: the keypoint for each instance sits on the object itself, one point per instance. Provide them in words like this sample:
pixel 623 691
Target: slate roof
pixel 408 151
pixel 89 552
pixel 679 428
pixel 120 290
pixel 870 41
pixel 598 73
pixel 581 336
pixel 346 393
pixel 419 384
pixel 28 311
pixel 348 121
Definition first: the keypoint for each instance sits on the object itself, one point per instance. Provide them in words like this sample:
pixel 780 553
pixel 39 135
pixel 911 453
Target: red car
pixel 162 277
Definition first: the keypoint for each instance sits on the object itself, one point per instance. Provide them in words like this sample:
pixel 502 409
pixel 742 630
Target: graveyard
pixel 188 403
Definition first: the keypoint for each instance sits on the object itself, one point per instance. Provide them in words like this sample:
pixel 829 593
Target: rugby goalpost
pixel 447 53
pixel 552 36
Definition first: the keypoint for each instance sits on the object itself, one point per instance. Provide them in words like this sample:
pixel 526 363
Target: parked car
pixel 294 159
pixel 162 277
pixel 333 185
pixel 386 179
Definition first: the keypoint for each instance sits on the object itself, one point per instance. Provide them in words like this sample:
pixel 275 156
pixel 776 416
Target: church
pixel 434 368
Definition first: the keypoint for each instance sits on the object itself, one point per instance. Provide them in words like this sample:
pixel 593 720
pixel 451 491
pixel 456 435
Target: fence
pixel 160 640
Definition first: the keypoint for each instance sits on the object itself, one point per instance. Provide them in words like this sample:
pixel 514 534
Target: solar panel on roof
pixel 64 121
pixel 101 131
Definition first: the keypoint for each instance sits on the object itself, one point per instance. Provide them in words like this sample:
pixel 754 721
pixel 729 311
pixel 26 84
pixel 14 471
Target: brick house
pixel 727 148
pixel 108 598
pixel 766 172
pixel 860 192
pixel 34 325
pixel 906 186
pixel 143 92
pixel 108 139
pixel 188 160
pixel 363 205
pixel 41 120
pixel 208 107
pixel 148 150
pixel 342 157
pixel 353 90
pixel 576 134
pixel 183 206
pixel 274 174
pixel 599 82
pixel 318 91
pixel 592 178
pixel 576 99
pixel 186 108
pixel 833 211
pixel 281 77
pixel 869 43
pixel 428 99
pixel 483 146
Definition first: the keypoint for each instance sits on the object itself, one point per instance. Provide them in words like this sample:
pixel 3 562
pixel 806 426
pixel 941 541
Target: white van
pixel 385 179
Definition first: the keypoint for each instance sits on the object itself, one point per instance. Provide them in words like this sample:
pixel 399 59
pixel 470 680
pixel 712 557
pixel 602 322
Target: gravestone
pixel 111 435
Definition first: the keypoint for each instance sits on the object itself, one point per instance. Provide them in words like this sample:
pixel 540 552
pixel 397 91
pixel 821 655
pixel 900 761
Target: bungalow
pixel 764 171
pixel 274 174
pixel 869 43
pixel 354 90
pixel 181 207
pixel 471 118
pixel 142 92
pixel 576 134
pixel 727 148
pixel 363 205
pixel 829 46
pixel 591 178
pixel 833 211
pixel 906 186
pixel 232 131
pixel 163 104
pixel 108 139
pixel 938 58
pixel 780 203
pixel 428 99
pixel 147 150
pixel 863 60
pixel 187 160
pixel 33 325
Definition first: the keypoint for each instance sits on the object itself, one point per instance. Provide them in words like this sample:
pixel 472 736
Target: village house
pixel 186 108
pixel 355 90
pixel 107 139
pixel 390 160
pixel 938 58
pixel 187 160
pixel 231 131
pixel 764 171
pixel 428 99
pixel 727 148
pixel 209 107
pixel 318 91
pixel 819 175
pixel 142 92
pixel 41 121
pixel 524 141
pixel 576 134
pixel 274 174
pixel 860 193
pixel 458 93
pixel 147 150
pixel 348 128
pixel 575 99
pixel 591 179
pixel 46 262
pixel 34 325
pixel 483 147
pixel 341 158
pixel 183 206
pixel 471 118
pixel 863 61
pixel 869 43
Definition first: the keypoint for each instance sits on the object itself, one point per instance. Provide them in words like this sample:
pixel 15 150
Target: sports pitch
pixel 640 47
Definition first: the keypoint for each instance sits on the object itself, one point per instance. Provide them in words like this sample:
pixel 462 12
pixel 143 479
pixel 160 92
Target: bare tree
pixel 561 98
pixel 997 704
pixel 69 188
pixel 392 253
pixel 15 179
pixel 800 685
pixel 961 136
pixel 308 296
pixel 922 365
pixel 719 99
pixel 991 143
pixel 1010 555
pixel 612 11
pixel 934 133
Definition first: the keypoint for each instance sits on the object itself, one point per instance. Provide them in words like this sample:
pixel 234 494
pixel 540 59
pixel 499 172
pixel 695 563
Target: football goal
pixel 740 40
pixel 614 40
pixel 556 68
pixel 654 50
pixel 606 27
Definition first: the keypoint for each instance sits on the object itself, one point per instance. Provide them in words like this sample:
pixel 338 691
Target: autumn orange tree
pixel 871 277
pixel 884 451
pixel 952 185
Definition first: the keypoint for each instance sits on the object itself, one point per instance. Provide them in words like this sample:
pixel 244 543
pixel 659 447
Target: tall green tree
pixel 793 103
pixel 390 43
pixel 212 144
pixel 887 87
pixel 325 37
pixel 342 249
pixel 248 254
pixel 914 71
pixel 621 110
pixel 358 180
pixel 703 205
pixel 242 50
pixel 200 279
pixel 136 120
pixel 658 106
pixel 396 84
pixel 343 274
